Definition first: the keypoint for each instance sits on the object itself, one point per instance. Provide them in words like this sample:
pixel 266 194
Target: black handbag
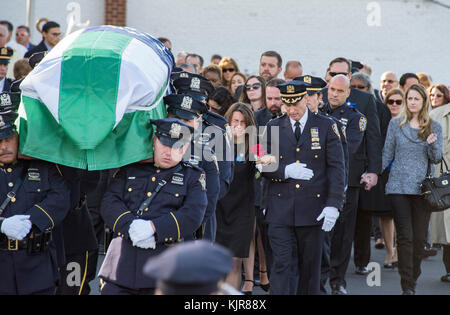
pixel 436 190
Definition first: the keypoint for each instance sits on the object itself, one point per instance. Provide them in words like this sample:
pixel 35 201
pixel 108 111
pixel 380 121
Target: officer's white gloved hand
pixel 17 226
pixel 330 214
pixel 140 230
pixel 147 243
pixel 298 171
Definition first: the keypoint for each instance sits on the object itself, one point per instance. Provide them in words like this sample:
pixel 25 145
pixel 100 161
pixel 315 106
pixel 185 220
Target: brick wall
pixel 116 12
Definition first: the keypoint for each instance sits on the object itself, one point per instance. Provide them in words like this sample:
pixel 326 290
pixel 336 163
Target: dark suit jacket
pixel 368 156
pixel 40 47
pixel 295 202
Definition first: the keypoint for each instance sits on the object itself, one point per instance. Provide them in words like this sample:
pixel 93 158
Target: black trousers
pixel 361 244
pixel 342 238
pixel 446 257
pixel 411 219
pixel 108 288
pixel 308 241
pixel 261 228
pixel 77 273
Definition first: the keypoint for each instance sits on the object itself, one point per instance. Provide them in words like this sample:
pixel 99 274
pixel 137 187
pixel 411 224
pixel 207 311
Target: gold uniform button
pixel 281 156
pixel 297 186
pixel 130 189
pixel 13 199
pixel 298 150
pixel 298 161
pixel 9 169
pixel 176 195
pixel 10 184
pixel 166 239
pixel 153 179
pixel 279 195
pixel 318 195
pixel 157 171
pixel 316 156
pixel 38 190
pixel 149 194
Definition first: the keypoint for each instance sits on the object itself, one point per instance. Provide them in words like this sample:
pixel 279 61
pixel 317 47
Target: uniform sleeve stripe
pixel 176 222
pixel 51 220
pixel 114 227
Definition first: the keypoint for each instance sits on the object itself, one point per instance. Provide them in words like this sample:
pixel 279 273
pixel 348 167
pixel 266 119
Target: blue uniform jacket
pixel 176 211
pixel 44 196
pixel 299 202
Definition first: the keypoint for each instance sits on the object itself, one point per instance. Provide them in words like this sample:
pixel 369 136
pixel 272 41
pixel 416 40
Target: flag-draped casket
pixel 88 103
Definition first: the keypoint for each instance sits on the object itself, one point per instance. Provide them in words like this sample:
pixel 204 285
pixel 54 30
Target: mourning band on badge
pixel 343 121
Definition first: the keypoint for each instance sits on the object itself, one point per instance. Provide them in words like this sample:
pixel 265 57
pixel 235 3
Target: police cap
pixel 184 106
pixel 5 55
pixel 190 268
pixel 172 130
pixel 191 83
pixel 9 103
pixel 313 84
pixel 292 92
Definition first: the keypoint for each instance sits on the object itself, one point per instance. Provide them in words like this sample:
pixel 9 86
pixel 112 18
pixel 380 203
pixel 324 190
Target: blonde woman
pixel 413 139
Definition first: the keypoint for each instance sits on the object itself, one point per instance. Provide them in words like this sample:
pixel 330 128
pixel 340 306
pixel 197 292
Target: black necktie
pixel 297 130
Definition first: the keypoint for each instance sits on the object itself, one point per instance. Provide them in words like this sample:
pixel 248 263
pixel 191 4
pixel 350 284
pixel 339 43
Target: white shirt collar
pixel 2 84
pixel 302 120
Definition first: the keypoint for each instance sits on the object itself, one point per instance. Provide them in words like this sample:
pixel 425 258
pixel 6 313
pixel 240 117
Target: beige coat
pixel 440 221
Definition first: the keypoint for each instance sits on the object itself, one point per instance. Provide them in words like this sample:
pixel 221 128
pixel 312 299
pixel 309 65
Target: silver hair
pixel 5 28
pixel 365 78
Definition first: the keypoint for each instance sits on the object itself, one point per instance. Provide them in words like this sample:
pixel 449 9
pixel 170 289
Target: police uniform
pixel 5 57
pixel 212 125
pixel 191 268
pixel 174 200
pixel 355 127
pixel 29 265
pixel 293 205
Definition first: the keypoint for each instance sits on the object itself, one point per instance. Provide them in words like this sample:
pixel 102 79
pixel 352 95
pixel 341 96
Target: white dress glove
pixel 140 230
pixel 298 171
pixel 330 214
pixel 147 243
pixel 17 226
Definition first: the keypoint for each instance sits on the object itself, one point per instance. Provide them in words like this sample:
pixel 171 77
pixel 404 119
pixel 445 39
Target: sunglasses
pixel 253 86
pixel 397 102
pixel 228 70
pixel 21 34
pixel 359 87
pixel 336 73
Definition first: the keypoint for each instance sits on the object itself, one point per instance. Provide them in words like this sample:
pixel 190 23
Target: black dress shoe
pixel 362 271
pixel 428 252
pixel 446 278
pixel 408 292
pixel 339 290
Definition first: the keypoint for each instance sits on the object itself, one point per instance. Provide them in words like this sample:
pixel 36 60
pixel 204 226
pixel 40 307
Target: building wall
pixel 406 36
pixel 410 36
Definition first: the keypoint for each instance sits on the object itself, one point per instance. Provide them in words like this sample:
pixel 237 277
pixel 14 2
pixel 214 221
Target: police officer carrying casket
pixel 212 125
pixel 149 207
pixel 307 186
pixel 34 201
pixel 190 110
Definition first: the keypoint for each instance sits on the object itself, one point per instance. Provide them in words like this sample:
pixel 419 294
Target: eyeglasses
pixel 397 102
pixel 359 87
pixel 253 86
pixel 436 95
pixel 228 70
pixel 336 73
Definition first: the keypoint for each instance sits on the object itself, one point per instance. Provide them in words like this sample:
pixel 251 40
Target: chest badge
pixel 34 175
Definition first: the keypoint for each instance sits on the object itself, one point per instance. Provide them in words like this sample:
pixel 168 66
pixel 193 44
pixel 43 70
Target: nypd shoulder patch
pixel 362 124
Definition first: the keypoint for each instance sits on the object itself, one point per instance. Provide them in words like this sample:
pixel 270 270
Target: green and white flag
pixel 88 103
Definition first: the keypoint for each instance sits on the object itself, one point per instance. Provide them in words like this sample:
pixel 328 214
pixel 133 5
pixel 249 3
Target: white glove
pixel 16 227
pixel 298 171
pixel 330 214
pixel 140 230
pixel 147 243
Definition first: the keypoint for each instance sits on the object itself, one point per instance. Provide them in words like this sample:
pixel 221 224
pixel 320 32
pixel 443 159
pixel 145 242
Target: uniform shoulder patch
pixel 362 123
pixel 336 130
pixel 343 132
pixel 202 180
